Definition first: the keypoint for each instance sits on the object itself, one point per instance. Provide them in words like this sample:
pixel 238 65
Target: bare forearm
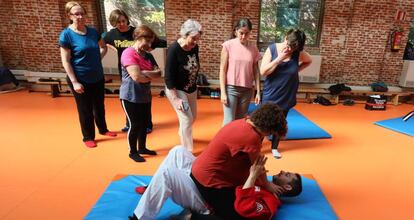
pixel 303 66
pixel 224 63
pixel 222 81
pixel 102 47
pixel 270 67
pixel 69 71
pixel 152 73
pixel 136 74
pixel 250 181
pixel 103 51
pixel 257 80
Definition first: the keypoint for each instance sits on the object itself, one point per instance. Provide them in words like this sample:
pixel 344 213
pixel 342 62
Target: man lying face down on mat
pixel 226 166
pixel 172 179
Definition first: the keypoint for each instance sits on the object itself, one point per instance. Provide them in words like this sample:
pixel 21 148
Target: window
pixel 148 12
pixel 409 48
pixel 277 16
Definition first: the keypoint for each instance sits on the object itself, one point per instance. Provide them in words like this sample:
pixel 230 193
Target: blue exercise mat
pixel 299 127
pixel 398 125
pixel 120 200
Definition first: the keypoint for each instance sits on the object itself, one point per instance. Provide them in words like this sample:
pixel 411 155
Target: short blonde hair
pixel 70 5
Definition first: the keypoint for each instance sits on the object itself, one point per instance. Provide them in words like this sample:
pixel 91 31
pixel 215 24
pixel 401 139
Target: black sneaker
pixel 323 101
pixel 146 151
pixel 349 102
pixel 125 129
pixel 133 217
pixel 162 93
pixel 136 157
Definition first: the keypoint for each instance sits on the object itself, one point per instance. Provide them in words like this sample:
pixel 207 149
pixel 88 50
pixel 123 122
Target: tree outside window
pixel 148 12
pixel 278 16
pixel 409 48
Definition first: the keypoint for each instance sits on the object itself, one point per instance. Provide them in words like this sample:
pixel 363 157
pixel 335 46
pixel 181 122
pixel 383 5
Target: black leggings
pixel 138 115
pixel 276 139
pixel 90 105
pixel 150 125
pixel 221 200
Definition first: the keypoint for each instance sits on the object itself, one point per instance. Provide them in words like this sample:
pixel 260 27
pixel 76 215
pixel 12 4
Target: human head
pixel 269 119
pixel 144 36
pixel 75 12
pixel 190 28
pixel 290 182
pixel 242 29
pixel 191 32
pixel 295 39
pixel 119 19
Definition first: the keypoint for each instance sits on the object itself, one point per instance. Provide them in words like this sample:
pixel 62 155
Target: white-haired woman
pixel 181 72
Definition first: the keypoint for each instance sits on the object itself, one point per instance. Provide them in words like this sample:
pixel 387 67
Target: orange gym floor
pixel 365 171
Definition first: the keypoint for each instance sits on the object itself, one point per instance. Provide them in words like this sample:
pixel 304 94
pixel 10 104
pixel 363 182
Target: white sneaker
pixel 276 154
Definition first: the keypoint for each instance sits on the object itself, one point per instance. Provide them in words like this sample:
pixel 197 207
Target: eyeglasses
pixel 78 14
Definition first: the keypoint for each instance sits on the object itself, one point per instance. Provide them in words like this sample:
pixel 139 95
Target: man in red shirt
pixel 226 161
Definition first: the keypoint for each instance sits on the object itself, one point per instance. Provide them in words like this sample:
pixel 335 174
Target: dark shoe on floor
pixel 322 100
pixel 146 151
pixel 136 157
pixel 349 102
pixel 125 129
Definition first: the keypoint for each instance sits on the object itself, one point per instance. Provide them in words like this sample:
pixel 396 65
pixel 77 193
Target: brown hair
pixel 69 6
pixel 296 185
pixel 270 118
pixel 144 31
pixel 296 39
pixel 114 16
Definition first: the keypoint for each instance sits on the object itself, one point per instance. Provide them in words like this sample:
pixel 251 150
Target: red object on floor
pixel 110 134
pixel 140 189
pixel 90 144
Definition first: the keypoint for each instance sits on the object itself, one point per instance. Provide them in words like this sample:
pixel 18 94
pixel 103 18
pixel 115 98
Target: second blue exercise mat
pixel 398 125
pixel 299 127
pixel 120 200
